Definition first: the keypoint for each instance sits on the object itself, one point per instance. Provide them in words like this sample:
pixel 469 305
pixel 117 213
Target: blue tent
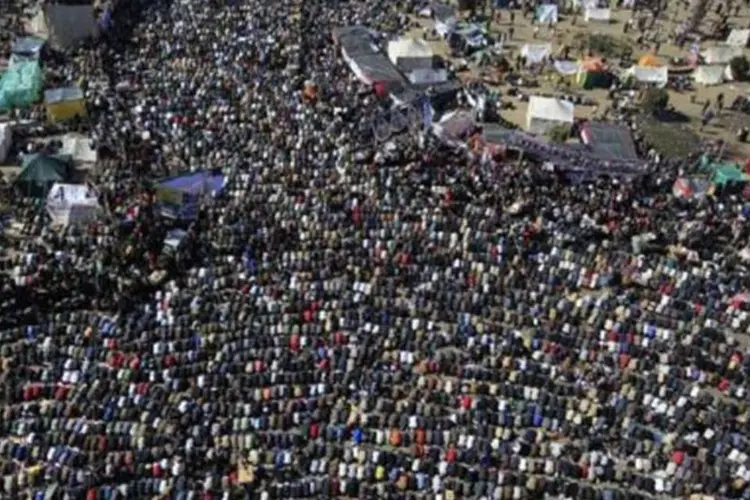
pixel 178 197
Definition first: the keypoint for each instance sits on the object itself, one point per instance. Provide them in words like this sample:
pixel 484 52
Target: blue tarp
pixel 178 197
pixel 28 46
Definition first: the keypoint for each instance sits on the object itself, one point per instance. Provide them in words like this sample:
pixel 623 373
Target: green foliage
pixel 654 100
pixel 604 45
pixel 739 67
pixel 558 134
pixel 670 139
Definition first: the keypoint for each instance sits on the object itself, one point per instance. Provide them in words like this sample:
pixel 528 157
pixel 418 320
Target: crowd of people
pixel 343 323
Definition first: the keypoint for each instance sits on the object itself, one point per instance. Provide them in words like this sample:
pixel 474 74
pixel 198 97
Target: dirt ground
pixel 570 31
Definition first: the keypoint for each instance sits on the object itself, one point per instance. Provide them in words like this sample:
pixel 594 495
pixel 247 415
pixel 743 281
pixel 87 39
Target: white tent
pixel 408 47
pixel 738 37
pixel 585 4
pixel 547 112
pixel 598 15
pixel 567 68
pixel 657 76
pixel 546 13
pixel 37 25
pixel 709 75
pixel 67 24
pixel 79 148
pixel 536 52
pixel 721 54
pixel 6 140
pixel 72 203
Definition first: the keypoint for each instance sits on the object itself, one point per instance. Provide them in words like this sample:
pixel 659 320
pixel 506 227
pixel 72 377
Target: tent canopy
pixel 63 94
pixel 551 109
pixel 709 75
pixel 649 61
pixel 536 53
pixel 408 48
pixel 566 68
pixel 598 15
pixel 67 24
pixel 179 196
pixel 79 148
pixel 374 68
pixel 39 172
pixel 68 203
pixel 609 141
pixel 21 85
pixel 738 37
pixel 546 13
pixel 593 64
pixel 721 54
pixel 727 173
pixel 653 75
pixel 28 46
pixel 195 183
pixel 546 112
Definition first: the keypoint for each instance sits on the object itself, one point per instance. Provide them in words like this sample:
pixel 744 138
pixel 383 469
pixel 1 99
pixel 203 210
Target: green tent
pixel 40 172
pixel 726 173
pixel 21 85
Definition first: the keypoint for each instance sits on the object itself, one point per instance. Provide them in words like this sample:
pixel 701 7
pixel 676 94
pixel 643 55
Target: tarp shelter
pixel 567 68
pixel 609 141
pixel 68 24
pixel 546 112
pixel 585 4
pixel 372 68
pixel 27 48
pixel 727 173
pixel 445 17
pixel 454 126
pixel 721 54
pixel 597 15
pixel 535 53
pixel 649 61
pixel 546 13
pixel 650 75
pixel 408 64
pixel 79 148
pixel 178 197
pixel 738 37
pixel 357 44
pixel 72 203
pixel 38 25
pixel 356 31
pixel 39 173
pixel 690 188
pixel 64 103
pixel 592 73
pixel 709 75
pixel 442 96
pixel 408 47
pixel 21 85
pixel 6 140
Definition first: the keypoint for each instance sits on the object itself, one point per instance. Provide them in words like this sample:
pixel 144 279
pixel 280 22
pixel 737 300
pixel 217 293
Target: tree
pixel 654 100
pixel 739 67
pixel 558 134
pixel 698 11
